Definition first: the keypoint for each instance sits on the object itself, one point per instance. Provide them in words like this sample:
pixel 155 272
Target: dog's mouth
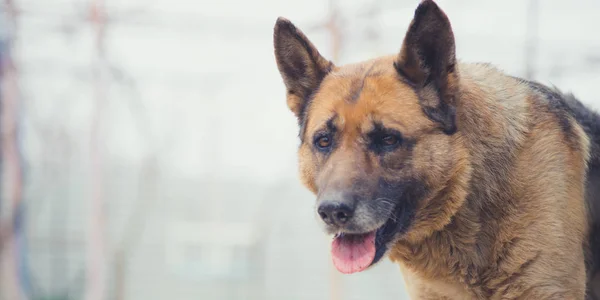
pixel 353 253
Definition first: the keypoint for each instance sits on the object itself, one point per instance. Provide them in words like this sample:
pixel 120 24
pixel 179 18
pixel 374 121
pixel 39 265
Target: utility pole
pixel 96 251
pixel 11 231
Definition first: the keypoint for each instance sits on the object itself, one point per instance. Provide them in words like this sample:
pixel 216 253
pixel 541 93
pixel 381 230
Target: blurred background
pixel 147 151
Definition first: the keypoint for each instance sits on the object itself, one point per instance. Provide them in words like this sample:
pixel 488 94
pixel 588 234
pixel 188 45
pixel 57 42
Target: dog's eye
pixel 389 140
pixel 323 142
pixel 382 141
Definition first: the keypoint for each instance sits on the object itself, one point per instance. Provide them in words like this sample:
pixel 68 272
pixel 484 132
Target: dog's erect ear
pixel 427 60
pixel 300 64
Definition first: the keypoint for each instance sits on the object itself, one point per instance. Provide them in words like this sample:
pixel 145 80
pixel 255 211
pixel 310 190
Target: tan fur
pixel 504 214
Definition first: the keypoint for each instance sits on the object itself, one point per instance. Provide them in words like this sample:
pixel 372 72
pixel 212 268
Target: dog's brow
pixel 329 125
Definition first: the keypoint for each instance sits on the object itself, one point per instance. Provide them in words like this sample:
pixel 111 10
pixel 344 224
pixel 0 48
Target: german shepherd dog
pixel 480 185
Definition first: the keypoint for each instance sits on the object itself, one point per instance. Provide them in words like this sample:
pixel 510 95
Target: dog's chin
pixel 355 252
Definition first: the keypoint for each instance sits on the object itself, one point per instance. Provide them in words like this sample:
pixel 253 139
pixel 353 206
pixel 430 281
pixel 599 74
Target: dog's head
pixel 379 139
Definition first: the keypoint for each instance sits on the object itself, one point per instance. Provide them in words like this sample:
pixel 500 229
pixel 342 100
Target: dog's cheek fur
pixel 407 192
pixel 308 168
pixel 433 157
pixel 440 164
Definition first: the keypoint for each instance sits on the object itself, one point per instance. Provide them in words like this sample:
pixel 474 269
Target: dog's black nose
pixel 335 213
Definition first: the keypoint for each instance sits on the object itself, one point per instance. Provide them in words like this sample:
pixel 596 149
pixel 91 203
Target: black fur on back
pixel 589 120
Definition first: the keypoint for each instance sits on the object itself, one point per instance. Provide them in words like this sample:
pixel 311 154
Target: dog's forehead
pixel 384 64
pixel 357 95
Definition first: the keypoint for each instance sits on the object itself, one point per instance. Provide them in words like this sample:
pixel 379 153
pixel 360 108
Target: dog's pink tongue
pixel 353 253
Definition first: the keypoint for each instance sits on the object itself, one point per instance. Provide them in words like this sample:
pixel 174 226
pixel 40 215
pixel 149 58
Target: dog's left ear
pixel 300 64
pixel 427 60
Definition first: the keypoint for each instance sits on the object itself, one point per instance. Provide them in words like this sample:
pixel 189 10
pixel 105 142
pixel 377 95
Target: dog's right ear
pixel 300 64
pixel 427 60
